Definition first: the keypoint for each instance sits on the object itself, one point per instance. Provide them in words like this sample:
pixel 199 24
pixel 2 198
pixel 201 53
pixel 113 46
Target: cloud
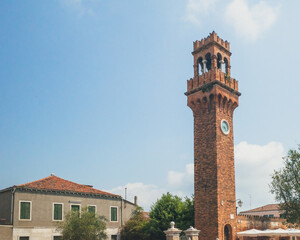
pixel 254 166
pixel 179 179
pixel 81 7
pixel 179 183
pixel 248 21
pixel 147 193
pixel 196 10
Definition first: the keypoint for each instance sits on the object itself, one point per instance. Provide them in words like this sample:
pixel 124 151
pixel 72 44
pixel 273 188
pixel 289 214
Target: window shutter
pixel 57 211
pixel 113 214
pixel 92 209
pixel 25 210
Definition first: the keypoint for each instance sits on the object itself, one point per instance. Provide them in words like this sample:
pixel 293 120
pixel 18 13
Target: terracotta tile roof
pixel 59 184
pixel 269 207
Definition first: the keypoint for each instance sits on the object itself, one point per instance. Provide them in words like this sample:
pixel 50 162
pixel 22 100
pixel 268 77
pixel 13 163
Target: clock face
pixel 225 127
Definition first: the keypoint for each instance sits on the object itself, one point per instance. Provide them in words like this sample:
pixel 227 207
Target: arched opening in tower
pixel 219 59
pixel 227 232
pixel 200 66
pixel 208 61
pixel 226 65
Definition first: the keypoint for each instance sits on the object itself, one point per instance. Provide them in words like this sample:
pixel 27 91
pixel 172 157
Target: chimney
pixel 135 200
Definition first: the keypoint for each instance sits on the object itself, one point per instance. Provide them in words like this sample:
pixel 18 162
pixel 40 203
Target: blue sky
pixel 93 91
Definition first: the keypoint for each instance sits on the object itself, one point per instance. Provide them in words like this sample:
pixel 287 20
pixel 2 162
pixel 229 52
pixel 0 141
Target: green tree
pixel 136 227
pixel 170 208
pixel 286 186
pixel 166 209
pixel 83 226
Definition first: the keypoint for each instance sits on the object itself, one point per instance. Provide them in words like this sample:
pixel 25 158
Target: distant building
pixel 266 217
pixel 30 211
pixel 270 210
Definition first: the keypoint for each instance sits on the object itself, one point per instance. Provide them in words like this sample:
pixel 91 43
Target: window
pixel 114 237
pixel 271 215
pixel 25 210
pixel 282 215
pixel 92 209
pixel 24 238
pixel 75 208
pixel 113 214
pixel 57 211
pixel 57 238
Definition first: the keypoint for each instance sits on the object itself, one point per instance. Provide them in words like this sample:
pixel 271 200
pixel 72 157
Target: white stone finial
pixel 172 224
pixel 192 233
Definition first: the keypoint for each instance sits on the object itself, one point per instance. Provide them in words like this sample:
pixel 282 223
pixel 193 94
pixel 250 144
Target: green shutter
pixel 92 209
pixel 25 210
pixel 57 211
pixel 76 208
pixel 113 214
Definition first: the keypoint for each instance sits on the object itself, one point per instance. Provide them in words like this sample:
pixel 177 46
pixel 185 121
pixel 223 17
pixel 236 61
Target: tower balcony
pixel 214 76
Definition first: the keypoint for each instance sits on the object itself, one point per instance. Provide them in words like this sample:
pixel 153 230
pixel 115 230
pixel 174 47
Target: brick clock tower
pixel 213 95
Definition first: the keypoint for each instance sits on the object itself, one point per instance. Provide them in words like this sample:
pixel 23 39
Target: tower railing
pixel 212 76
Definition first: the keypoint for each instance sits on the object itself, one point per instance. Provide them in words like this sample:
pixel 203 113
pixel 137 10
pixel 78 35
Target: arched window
pixel 200 66
pixel 226 64
pixel 219 59
pixel 208 61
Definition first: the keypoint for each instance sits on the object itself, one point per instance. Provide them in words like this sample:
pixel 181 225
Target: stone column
pixel 221 65
pixel 192 233
pixel 173 233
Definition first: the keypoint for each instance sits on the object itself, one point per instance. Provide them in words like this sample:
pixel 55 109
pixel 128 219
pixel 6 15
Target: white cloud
pixel 196 10
pixel 254 166
pixel 81 7
pixel 147 193
pixel 179 179
pixel 179 183
pixel 250 21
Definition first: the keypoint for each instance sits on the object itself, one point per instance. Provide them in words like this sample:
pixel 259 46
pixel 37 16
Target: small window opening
pixel 226 65
pixel 208 61
pixel 200 66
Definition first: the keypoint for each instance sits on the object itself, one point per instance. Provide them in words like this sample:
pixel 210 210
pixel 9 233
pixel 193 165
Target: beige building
pixel 270 210
pixel 266 217
pixel 31 211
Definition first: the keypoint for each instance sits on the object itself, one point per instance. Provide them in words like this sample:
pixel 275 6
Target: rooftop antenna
pixel 250 200
pixel 125 197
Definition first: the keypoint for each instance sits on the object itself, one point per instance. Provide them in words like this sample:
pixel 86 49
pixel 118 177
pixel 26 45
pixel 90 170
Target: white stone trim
pixel 91 205
pixel 62 214
pixel 20 201
pixel 110 213
pixel 76 204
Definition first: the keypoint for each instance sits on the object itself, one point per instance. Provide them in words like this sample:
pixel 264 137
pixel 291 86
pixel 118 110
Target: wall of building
pixel 42 223
pixel 5 207
pixel 6 232
pixel 260 223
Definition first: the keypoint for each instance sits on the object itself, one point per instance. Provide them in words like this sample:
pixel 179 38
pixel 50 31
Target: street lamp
pixel 239 202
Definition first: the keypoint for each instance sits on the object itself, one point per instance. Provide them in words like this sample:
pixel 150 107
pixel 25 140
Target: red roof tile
pixel 269 207
pixel 58 184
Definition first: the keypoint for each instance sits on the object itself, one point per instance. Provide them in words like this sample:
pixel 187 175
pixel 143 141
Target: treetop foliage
pixel 286 186
pixel 83 226
pixel 166 209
